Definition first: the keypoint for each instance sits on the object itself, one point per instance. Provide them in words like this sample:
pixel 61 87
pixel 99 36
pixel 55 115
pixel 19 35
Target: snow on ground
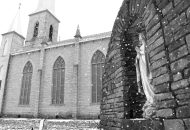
pixel 47 124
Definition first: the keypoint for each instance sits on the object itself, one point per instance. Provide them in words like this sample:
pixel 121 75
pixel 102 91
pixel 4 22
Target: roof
pixel 46 10
pixel 13 32
pixel 96 36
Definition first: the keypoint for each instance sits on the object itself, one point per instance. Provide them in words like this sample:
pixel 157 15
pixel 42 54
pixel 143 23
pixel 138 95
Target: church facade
pixel 43 77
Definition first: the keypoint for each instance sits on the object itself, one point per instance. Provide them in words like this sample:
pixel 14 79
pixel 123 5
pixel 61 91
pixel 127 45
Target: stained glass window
pixel 26 84
pixel 58 81
pixel 98 60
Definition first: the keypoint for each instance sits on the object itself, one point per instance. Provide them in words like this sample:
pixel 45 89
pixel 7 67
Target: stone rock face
pixel 183 112
pixel 174 125
pixel 167 27
pixel 142 124
pixel 19 124
pixel 187 123
pixel 54 124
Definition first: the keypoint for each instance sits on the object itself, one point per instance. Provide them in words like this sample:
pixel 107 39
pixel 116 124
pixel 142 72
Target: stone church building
pixel 43 77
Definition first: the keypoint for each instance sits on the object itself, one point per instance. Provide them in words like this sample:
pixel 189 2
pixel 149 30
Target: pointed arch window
pixel 36 27
pixel 26 84
pixel 58 81
pixel 50 33
pixel 97 62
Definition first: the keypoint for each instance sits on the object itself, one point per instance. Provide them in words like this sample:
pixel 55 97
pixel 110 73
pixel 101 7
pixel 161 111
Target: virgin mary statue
pixel 144 78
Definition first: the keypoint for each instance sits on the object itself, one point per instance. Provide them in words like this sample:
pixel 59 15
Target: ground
pixel 48 124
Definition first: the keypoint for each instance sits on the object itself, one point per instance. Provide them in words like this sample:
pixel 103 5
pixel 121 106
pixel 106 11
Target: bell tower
pixel 43 25
pixel 12 41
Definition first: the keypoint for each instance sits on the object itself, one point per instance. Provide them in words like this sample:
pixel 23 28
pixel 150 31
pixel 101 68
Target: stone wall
pixel 76 98
pixel 13 87
pixel 35 124
pixel 19 124
pixel 70 124
pixel 167 27
pixel 86 107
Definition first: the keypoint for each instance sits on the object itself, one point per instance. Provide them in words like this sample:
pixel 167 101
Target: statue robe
pixel 144 75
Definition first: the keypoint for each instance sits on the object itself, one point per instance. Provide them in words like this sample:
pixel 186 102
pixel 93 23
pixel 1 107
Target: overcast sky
pixel 93 16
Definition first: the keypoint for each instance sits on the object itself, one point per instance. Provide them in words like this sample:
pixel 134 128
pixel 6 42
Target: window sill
pixel 23 105
pixel 57 105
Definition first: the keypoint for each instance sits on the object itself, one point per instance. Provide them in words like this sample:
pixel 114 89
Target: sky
pixel 93 16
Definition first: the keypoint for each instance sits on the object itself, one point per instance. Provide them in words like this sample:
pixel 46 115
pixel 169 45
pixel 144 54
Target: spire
pixel 78 35
pixel 16 23
pixel 46 4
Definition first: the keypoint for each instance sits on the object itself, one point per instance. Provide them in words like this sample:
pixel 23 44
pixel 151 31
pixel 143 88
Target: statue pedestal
pixel 149 110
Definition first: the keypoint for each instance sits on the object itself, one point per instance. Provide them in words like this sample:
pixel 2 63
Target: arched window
pixel 50 33
pixel 97 62
pixel 58 81
pixel 26 84
pixel 36 27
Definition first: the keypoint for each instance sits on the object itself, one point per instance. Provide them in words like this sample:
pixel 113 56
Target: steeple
pixel 43 25
pixel 46 5
pixel 16 23
pixel 12 40
pixel 78 35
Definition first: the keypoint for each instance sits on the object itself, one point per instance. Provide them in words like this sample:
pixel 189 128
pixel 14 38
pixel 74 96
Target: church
pixel 43 77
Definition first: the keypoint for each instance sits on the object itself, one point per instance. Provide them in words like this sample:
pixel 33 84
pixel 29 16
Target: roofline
pixel 46 10
pixel 69 43
pixel 54 46
pixel 59 44
pixel 25 52
pixel 13 32
pixel 91 36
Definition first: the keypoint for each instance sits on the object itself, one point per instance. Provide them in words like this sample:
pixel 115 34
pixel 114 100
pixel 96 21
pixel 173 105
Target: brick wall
pixel 19 124
pixel 35 124
pixel 166 23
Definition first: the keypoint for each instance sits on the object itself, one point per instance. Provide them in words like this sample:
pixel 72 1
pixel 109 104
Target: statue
pixel 144 78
